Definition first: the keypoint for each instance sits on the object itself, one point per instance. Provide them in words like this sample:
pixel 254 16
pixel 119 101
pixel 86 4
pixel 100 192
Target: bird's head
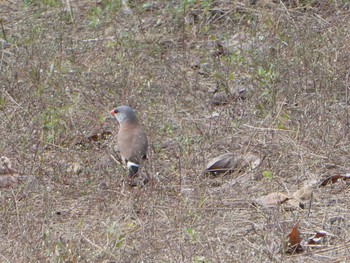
pixel 124 114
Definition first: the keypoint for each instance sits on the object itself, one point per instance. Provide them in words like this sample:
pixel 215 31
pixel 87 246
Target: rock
pixel 75 168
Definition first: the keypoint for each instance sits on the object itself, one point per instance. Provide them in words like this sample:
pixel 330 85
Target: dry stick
pixel 184 184
pixel 347 99
pixel 4 258
pixel 16 205
pixel 97 246
pixel 98 39
pixel 182 177
pixel 69 10
pixel 310 203
pixel 3 29
pixel 114 159
pixel 11 98
pixel 266 129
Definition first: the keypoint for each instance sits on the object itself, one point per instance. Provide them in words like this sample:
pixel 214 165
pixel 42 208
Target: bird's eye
pixel 115 111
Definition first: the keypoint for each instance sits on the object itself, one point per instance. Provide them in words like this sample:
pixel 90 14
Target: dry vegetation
pixel 181 64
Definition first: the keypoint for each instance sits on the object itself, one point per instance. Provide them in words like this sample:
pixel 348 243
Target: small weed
pixel 94 16
pixel 192 234
pixel 266 77
pixel 114 233
pixel 53 125
pixel 3 102
pixel 104 12
pixel 200 259
pixel 267 174
pixel 167 128
pixel 48 3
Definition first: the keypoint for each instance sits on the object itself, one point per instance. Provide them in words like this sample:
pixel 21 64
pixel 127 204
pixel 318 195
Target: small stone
pixel 139 180
pixel 75 168
pixel 220 98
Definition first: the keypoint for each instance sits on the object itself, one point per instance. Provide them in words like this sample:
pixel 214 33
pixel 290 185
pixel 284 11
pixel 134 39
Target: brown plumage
pixel 132 139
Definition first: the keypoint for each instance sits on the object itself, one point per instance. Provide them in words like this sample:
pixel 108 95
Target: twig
pixel 267 129
pixel 97 39
pixel 114 159
pixel 97 246
pixel 16 205
pixel 11 98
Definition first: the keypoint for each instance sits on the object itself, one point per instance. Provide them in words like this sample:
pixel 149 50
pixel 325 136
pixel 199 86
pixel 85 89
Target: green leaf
pixel 267 174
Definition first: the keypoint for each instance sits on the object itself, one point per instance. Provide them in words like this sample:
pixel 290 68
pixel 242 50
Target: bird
pixel 132 139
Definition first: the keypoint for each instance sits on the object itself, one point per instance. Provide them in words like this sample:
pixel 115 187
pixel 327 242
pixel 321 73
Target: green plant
pixel 192 234
pixel 94 16
pixel 115 234
pixel 3 102
pixel 266 77
pixel 267 174
pixel 53 125
pixel 104 12
pixel 48 3
pixel 200 259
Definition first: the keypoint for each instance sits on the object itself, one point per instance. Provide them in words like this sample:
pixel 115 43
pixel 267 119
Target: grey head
pixel 124 114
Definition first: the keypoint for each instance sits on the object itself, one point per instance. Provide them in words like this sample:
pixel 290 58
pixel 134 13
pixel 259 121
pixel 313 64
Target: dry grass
pixel 69 63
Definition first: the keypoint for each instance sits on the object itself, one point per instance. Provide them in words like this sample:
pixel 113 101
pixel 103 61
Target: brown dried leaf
pixel 333 179
pixel 220 98
pixel 294 241
pixel 76 168
pixel 222 163
pixel 303 194
pixel 8 181
pixel 272 200
pixel 292 204
pixel 5 166
pixel 99 136
pixel 229 162
pixel 249 160
pixel 317 238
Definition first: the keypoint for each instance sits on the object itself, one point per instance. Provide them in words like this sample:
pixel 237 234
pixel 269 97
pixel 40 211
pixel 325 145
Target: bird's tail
pixel 133 168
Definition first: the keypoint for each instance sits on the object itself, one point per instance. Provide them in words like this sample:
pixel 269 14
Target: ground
pixel 270 78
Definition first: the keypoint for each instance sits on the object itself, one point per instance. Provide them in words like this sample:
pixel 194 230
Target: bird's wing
pixel 132 142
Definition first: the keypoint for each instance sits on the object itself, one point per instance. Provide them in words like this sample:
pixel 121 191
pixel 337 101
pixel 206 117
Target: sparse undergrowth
pixel 206 78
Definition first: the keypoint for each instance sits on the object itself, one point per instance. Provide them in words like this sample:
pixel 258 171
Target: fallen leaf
pixel 220 98
pixel 272 200
pixel 292 204
pixel 333 179
pixel 317 238
pixel 75 168
pixel 5 166
pixel 8 181
pixel 303 194
pixel 99 136
pixel 222 163
pixel 294 240
pixel 229 162
pixel 249 160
